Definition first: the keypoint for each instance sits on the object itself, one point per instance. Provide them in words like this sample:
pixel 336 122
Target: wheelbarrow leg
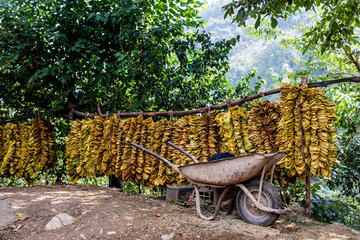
pixel 217 207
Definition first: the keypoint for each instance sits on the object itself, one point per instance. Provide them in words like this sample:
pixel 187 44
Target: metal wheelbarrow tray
pixel 258 202
pixel 228 171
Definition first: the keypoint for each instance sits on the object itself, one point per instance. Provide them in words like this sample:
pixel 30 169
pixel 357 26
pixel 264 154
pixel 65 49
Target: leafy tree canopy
pixel 126 55
pixel 336 24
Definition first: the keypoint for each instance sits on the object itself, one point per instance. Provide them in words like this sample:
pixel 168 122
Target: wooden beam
pixel 187 112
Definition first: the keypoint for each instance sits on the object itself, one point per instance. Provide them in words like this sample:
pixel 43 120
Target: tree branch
pixel 60 113
pixel 15 119
pixel 98 106
pixel 353 60
pixel 327 83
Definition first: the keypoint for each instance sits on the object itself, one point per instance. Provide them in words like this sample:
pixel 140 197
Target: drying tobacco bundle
pixel 263 123
pixel 26 149
pixel 233 131
pixel 306 129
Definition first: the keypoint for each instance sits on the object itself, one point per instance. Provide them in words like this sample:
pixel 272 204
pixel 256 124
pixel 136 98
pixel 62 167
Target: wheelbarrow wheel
pixel 270 197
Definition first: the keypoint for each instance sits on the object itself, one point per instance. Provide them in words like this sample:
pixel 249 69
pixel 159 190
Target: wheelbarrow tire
pixel 270 197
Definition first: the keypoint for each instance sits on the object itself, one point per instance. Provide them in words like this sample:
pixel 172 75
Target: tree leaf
pixel 347 49
pixel 274 22
pixel 257 23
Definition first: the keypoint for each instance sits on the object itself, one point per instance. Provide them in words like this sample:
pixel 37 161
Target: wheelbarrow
pixel 258 201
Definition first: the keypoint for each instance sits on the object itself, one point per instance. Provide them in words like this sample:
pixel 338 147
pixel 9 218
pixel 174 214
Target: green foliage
pixel 134 188
pixel 4 182
pixel 334 28
pixel 327 205
pixel 263 31
pixel 346 178
pixel 330 206
pixel 295 193
pixel 245 88
pixel 125 55
pixel 100 181
pixel 347 98
pixel 256 50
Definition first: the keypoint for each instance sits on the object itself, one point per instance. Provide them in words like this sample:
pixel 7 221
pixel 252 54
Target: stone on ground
pixel 168 236
pixel 60 220
pixel 7 215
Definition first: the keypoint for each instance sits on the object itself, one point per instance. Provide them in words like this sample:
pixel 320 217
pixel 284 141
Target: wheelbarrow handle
pixel 183 151
pixel 157 156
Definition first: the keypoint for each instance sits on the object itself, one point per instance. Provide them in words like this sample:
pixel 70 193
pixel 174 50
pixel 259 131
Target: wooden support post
pixel 139 186
pixel 308 195
pixel 115 182
pixel 304 81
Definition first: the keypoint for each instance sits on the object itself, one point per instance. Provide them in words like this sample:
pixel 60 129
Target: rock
pixel 66 219
pixel 60 220
pixel 129 224
pixel 54 224
pixel 82 236
pixel 111 233
pixel 168 236
pixel 101 231
pixel 7 213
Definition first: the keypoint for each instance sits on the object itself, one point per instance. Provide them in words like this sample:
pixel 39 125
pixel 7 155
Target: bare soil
pixel 106 213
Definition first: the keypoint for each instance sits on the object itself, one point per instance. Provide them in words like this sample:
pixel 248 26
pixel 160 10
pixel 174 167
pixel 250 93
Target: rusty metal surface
pixel 223 172
pixel 230 171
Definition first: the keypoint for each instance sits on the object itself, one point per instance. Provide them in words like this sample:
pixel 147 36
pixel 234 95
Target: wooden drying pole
pixel 217 107
pixel 73 111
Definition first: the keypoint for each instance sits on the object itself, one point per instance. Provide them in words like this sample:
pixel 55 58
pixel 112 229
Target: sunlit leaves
pixel 335 28
pixel 126 55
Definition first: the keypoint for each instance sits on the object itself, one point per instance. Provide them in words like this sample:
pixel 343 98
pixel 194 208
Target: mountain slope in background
pixel 268 58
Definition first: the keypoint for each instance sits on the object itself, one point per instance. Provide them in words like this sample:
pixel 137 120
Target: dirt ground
pixel 105 213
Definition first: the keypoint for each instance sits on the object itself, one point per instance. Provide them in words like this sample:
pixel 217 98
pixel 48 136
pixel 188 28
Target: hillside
pixel 268 58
